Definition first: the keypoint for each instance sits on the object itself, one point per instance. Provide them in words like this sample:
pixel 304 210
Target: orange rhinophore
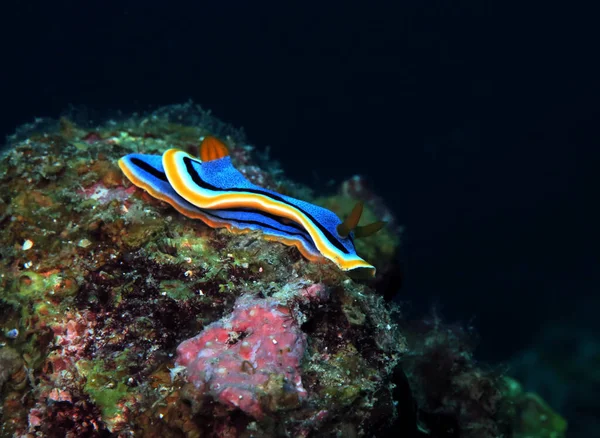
pixel 212 149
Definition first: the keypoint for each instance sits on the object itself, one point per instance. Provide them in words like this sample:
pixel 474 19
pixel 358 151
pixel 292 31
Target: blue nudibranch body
pixel 213 190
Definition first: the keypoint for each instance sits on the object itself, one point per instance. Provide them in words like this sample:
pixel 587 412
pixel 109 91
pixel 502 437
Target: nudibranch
pixel 213 190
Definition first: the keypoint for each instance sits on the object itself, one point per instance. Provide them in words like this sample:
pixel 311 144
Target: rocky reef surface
pixel 121 317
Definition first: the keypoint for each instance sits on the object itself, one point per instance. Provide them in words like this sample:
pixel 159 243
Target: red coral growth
pixel 99 192
pixel 92 137
pixel 250 359
pixel 60 408
pixel 315 292
pixel 72 335
pixel 66 419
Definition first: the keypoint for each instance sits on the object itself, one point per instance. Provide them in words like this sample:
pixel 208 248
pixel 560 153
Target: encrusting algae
pixel 122 317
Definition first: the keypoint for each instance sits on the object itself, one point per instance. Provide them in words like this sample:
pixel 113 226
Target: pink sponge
pixel 249 359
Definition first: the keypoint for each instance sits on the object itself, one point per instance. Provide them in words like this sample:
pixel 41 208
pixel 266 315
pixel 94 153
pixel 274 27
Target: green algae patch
pixel 353 311
pixel 46 309
pixel 530 416
pixel 343 395
pixel 176 290
pixel 31 285
pixel 185 248
pixel 343 377
pixel 134 233
pixel 276 396
pixel 191 249
pixel 105 383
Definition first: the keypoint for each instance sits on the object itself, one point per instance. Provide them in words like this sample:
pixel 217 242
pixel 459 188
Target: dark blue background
pixel 477 120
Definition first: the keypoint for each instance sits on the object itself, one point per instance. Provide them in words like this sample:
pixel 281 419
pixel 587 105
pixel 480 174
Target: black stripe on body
pixel 301 234
pixel 149 169
pixel 200 182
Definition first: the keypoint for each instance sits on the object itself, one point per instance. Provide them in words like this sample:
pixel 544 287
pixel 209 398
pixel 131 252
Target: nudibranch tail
pixel 146 172
pixel 212 149
pixel 218 185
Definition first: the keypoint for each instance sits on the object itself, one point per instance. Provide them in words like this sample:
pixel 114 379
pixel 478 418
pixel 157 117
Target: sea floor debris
pixel 121 317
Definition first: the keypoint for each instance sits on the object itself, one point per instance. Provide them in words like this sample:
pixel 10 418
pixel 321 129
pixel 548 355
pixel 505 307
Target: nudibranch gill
pixel 213 190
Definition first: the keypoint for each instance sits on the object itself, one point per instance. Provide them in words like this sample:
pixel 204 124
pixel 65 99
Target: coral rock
pixel 249 359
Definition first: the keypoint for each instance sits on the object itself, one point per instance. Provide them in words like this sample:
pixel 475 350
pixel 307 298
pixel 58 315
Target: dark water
pixel 477 121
